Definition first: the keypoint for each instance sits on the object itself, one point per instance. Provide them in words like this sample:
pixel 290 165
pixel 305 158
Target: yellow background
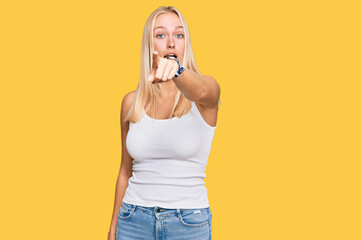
pixel 285 161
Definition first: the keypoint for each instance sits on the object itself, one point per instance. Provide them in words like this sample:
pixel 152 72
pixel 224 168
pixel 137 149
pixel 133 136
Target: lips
pixel 171 54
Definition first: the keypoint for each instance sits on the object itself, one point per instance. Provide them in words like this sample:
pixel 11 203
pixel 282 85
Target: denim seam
pixel 180 218
pixel 163 227
pixel 145 211
pixel 124 207
pixel 210 225
pixel 152 213
pixel 132 210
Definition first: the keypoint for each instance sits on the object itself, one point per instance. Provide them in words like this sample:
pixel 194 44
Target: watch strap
pixel 180 69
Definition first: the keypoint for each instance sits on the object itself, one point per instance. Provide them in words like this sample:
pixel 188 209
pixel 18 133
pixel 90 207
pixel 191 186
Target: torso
pixel 164 107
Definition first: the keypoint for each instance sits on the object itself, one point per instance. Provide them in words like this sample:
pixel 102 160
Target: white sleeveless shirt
pixel 170 157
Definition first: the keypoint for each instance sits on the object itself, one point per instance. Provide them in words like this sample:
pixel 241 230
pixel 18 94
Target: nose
pixel 171 43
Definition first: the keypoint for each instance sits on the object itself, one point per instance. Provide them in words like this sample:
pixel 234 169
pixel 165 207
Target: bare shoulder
pixel 211 94
pixel 127 103
pixel 128 100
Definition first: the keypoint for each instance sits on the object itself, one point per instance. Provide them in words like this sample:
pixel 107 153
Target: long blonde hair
pixel 148 92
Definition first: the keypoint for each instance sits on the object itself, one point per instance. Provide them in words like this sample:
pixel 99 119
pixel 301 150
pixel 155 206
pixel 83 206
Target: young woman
pixel 167 126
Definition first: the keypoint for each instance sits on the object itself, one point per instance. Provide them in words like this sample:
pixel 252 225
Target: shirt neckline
pixel 166 119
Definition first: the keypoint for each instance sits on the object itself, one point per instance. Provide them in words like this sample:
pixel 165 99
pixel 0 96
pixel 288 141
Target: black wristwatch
pixel 180 69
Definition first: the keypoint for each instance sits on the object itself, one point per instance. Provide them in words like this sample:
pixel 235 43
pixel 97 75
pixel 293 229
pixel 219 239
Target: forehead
pixel 167 21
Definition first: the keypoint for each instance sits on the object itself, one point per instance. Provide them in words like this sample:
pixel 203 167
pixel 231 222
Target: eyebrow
pixel 164 27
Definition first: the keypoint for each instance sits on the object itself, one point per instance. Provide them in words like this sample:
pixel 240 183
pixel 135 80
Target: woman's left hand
pixel 163 69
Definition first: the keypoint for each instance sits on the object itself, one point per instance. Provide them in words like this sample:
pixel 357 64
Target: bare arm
pixel 122 184
pixel 201 89
pixel 125 171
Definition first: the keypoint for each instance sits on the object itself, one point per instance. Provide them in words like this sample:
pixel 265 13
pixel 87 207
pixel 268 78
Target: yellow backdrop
pixel 285 161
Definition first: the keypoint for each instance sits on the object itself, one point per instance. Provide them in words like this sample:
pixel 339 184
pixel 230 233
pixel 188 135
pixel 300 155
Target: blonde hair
pixel 148 92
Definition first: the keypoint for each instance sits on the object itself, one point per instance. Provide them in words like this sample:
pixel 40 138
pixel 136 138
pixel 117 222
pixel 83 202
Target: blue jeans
pixel 147 223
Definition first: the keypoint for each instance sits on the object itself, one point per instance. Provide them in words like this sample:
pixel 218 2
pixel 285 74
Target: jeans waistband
pixel 159 210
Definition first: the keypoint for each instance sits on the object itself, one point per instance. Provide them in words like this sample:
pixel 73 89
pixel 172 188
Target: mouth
pixel 170 55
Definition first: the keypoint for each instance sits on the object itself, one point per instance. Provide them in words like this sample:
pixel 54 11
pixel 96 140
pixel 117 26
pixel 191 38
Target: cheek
pixel 181 45
pixel 156 46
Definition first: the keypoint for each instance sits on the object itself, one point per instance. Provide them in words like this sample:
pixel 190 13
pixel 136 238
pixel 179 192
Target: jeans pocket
pixel 126 210
pixel 194 217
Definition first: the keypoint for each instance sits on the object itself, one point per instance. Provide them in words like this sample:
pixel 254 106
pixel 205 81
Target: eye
pixel 180 34
pixel 159 34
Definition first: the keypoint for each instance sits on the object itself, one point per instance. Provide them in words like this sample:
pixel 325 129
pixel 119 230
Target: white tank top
pixel 170 157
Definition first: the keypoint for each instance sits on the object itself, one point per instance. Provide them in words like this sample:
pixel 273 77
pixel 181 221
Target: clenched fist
pixel 163 69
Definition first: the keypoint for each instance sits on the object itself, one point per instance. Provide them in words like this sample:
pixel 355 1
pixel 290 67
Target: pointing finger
pixel 161 68
pixel 156 59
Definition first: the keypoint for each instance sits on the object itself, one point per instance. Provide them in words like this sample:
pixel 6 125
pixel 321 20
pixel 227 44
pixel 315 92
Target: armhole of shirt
pixel 199 115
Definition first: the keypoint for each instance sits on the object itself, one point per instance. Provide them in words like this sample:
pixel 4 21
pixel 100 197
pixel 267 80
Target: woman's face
pixel 168 35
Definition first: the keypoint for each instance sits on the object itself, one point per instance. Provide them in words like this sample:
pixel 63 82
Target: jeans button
pixel 158 210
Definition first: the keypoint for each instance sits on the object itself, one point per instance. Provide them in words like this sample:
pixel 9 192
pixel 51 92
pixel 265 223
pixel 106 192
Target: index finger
pixel 155 59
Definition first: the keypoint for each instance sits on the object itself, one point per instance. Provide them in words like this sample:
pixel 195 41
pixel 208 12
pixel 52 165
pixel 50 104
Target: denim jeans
pixel 147 223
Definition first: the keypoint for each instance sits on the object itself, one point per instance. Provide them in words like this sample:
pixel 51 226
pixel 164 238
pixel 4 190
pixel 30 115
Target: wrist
pixel 112 230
